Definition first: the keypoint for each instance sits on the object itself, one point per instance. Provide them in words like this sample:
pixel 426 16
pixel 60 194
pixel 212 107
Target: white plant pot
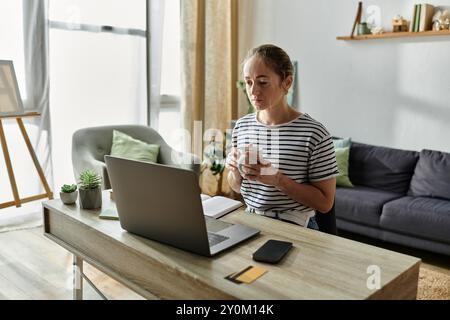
pixel 69 198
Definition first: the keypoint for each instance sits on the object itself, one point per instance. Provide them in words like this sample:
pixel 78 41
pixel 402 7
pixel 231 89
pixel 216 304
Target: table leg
pixel 77 278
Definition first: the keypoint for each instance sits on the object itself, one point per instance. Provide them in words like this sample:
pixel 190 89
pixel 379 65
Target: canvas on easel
pixel 11 106
pixel 10 100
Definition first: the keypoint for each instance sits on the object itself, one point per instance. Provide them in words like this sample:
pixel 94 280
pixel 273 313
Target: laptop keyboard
pixel 214 225
pixel 215 238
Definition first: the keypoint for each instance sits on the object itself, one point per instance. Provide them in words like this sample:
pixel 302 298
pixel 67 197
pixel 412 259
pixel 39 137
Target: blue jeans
pixel 312 223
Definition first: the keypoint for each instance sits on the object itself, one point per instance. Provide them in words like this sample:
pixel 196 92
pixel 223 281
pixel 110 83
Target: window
pixel 11 36
pixel 117 13
pixel 169 117
pixel 97 70
pixel 170 75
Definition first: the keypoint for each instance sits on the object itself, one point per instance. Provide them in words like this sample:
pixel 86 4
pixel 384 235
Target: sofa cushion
pixel 362 204
pixel 342 155
pixel 342 142
pixel 431 176
pixel 381 168
pixel 423 217
pixel 126 146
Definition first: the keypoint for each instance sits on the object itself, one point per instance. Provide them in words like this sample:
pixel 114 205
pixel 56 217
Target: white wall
pixel 391 92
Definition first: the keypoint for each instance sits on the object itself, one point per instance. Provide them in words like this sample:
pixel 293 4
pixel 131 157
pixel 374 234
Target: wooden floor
pixel 33 267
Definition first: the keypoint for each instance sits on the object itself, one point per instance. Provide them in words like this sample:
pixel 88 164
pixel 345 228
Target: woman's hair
pixel 275 58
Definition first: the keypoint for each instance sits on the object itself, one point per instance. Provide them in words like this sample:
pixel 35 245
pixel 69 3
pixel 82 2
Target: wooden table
pixel 319 266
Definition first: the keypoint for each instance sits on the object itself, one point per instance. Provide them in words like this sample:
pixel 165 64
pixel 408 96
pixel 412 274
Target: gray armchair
pixel 90 145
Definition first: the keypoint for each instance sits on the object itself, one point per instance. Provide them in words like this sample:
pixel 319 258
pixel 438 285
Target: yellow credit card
pixel 251 275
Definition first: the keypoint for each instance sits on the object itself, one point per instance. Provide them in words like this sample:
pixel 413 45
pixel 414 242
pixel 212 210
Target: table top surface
pixel 319 266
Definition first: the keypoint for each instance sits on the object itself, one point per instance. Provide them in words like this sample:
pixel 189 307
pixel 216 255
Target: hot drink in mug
pixel 250 154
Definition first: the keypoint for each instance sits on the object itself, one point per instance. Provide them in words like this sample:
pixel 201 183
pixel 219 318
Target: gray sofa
pixel 90 145
pixel 399 196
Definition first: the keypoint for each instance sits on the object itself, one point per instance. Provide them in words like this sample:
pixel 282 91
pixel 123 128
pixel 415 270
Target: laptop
pixel 163 203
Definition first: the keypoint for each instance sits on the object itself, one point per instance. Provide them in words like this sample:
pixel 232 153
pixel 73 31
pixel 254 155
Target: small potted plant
pixel 90 190
pixel 69 193
pixel 214 161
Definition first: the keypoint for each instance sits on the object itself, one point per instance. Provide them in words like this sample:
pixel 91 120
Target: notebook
pixel 214 207
pixel 109 214
pixel 218 206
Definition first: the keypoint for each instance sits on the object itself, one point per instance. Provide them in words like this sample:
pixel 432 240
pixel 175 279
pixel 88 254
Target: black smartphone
pixel 272 251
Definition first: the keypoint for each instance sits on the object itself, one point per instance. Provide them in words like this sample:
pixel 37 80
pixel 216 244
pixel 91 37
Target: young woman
pixel 295 174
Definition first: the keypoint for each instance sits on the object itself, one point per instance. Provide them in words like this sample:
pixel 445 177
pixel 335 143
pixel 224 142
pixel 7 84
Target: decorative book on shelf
pixel 421 19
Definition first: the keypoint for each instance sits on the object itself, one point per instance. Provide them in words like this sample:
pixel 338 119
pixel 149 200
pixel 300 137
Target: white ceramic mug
pixel 255 156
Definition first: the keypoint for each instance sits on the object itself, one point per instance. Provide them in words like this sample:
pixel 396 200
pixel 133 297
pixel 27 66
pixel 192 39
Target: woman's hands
pixel 264 173
pixel 317 195
pixel 245 167
pixel 234 177
pixel 232 162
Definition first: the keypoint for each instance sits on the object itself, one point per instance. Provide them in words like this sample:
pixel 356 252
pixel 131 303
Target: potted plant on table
pixel 213 167
pixel 90 190
pixel 69 193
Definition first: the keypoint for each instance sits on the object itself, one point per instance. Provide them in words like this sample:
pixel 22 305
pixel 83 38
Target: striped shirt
pixel 301 149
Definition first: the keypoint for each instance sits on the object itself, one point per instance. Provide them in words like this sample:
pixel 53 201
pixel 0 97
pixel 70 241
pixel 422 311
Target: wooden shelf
pixel 387 35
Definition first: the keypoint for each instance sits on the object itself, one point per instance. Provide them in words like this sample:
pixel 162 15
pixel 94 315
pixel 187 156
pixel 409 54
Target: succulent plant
pixel 89 180
pixel 68 188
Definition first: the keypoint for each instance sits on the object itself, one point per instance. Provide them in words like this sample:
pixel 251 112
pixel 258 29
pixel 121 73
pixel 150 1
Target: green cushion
pixel 127 147
pixel 342 155
pixel 342 143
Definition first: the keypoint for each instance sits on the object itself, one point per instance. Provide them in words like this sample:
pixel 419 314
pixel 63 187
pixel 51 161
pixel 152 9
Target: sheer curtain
pixel 24 39
pixel 35 17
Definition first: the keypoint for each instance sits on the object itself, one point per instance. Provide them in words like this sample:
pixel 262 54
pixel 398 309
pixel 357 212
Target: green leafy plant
pixel 89 180
pixel 241 85
pixel 69 188
pixel 213 161
pixel 214 158
pixel 217 167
